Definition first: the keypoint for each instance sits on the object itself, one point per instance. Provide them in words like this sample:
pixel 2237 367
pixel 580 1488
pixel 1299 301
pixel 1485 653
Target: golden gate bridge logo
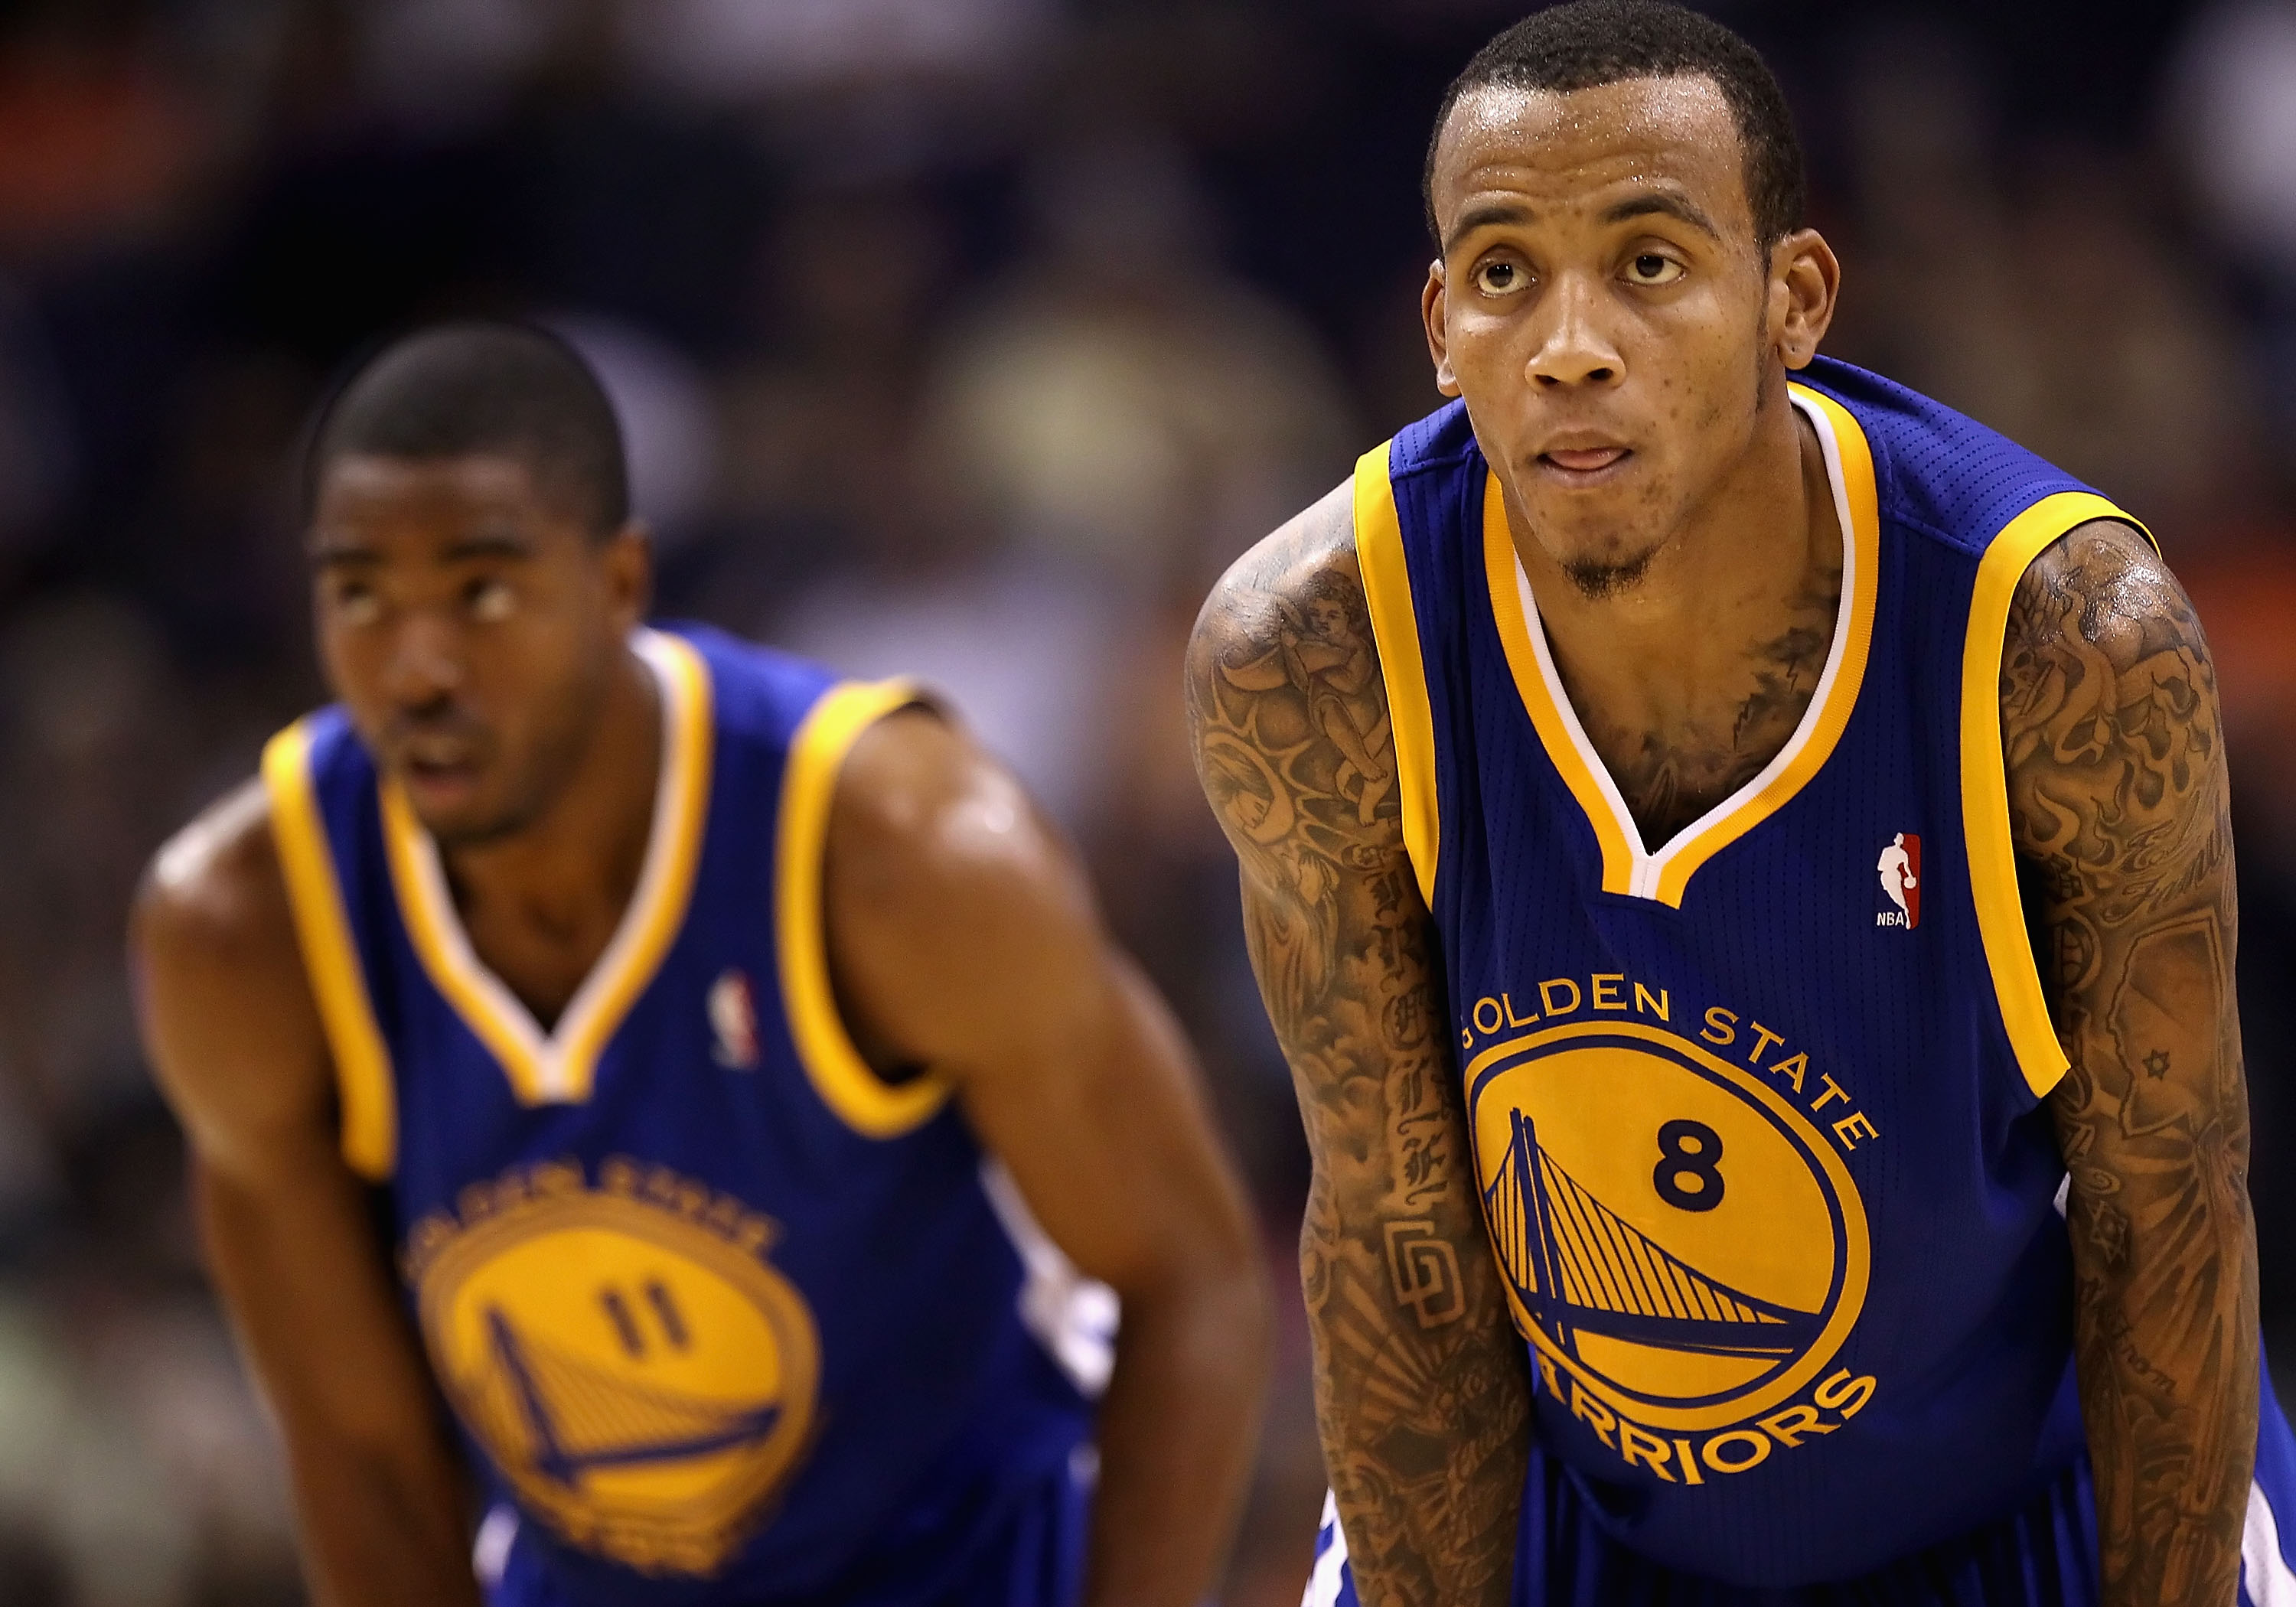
pixel 1678 1237
pixel 582 1419
pixel 645 1385
pixel 1579 1267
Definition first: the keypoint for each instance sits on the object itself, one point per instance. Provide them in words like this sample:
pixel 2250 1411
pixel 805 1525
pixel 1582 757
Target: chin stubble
pixel 1597 582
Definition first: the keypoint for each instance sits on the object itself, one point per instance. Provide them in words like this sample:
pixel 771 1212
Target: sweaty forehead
pixel 1556 150
pixel 366 489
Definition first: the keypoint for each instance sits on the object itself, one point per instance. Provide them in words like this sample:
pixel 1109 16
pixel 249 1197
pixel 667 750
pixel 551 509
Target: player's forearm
pixel 2165 1327
pixel 1422 1387
pixel 1177 1430
pixel 376 1534
pixel 1422 1394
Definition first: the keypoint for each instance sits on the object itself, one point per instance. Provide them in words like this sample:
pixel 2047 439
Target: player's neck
pixel 563 881
pixel 1691 679
pixel 1737 573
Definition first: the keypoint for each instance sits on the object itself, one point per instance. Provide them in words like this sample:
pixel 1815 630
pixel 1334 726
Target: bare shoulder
pixel 1294 564
pixel 227 1013
pixel 1268 593
pixel 921 812
pixel 953 907
pixel 2101 587
pixel 213 895
pixel 1287 705
pixel 2110 724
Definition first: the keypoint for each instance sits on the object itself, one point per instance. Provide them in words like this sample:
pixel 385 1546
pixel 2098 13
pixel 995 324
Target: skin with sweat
pixel 479 635
pixel 1623 340
pixel 1601 302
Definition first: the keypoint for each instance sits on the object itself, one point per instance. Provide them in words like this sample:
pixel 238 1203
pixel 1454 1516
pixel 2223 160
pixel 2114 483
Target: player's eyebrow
pixel 1489 215
pixel 1660 203
pixel 340 554
pixel 487 544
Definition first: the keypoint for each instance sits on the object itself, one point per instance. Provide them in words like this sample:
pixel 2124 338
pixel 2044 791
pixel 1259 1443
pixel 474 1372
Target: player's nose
pixel 1573 348
pixel 425 661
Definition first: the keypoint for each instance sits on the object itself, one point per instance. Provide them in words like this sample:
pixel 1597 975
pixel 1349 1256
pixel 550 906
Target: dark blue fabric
pixel 2042 1553
pixel 940 1423
pixel 1949 1400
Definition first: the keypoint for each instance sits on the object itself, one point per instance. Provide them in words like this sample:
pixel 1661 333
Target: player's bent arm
pixel 1421 1385
pixel 964 939
pixel 230 1029
pixel 2118 798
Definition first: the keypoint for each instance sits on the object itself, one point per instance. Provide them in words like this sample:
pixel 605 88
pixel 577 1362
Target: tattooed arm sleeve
pixel 2118 803
pixel 1422 1390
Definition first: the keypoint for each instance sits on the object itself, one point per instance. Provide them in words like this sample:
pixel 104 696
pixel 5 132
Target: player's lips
pixel 1586 458
pixel 437 769
pixel 1581 459
pixel 432 781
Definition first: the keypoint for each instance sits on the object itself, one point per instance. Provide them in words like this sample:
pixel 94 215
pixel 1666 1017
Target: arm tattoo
pixel 1421 1385
pixel 2117 804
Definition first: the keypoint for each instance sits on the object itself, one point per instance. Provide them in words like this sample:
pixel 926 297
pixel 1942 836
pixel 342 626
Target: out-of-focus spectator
pixel 1122 399
pixel 35 445
pixel 670 425
pixel 737 50
pixel 2044 301
pixel 98 139
pixel 967 339
pixel 2232 109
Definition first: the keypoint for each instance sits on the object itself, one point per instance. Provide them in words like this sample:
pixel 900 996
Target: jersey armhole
pixel 1992 852
pixel 331 961
pixel 860 1098
pixel 1395 631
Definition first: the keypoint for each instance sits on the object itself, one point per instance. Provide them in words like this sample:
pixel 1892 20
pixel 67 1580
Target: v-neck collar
pixel 1629 867
pixel 558 1067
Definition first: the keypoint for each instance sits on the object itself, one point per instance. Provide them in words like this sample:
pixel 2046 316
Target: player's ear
pixel 1432 303
pixel 627 560
pixel 1805 284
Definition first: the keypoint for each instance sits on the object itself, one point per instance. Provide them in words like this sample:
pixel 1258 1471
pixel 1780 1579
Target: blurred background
pixel 972 338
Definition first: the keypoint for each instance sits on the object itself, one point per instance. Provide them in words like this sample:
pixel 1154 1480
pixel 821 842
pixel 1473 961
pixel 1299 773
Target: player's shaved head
pixel 1587 44
pixel 484 388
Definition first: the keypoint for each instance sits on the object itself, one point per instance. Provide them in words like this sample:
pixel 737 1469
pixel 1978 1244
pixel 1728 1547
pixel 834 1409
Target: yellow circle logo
pixel 645 1384
pixel 1676 1235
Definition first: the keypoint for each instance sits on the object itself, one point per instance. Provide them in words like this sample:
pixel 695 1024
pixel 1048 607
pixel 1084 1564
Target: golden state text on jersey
pixel 1755 1111
pixel 723 1314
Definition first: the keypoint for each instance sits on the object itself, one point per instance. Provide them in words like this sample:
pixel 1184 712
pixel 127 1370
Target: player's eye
pixel 1653 268
pixel 1500 277
pixel 488 601
pixel 356 602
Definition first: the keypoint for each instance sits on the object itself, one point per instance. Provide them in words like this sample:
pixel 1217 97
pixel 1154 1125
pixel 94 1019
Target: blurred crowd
pixel 970 338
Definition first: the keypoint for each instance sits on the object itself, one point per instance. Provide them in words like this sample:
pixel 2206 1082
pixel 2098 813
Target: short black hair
pixel 480 386
pixel 1589 43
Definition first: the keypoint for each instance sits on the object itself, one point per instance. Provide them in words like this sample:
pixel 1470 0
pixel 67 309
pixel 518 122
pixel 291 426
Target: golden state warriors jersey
pixel 723 1315
pixel 1756 1111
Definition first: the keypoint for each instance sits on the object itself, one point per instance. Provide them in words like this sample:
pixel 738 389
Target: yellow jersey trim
pixel 365 1091
pixel 1985 778
pixel 1664 875
pixel 862 1100
pixel 1552 716
pixel 561 1066
pixel 1395 632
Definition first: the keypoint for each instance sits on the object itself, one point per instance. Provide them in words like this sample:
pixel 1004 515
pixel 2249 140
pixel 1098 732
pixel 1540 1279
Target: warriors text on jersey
pixel 723 1315
pixel 1756 1112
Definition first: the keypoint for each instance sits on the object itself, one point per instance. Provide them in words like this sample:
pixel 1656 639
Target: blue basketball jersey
pixel 723 1314
pixel 1756 1112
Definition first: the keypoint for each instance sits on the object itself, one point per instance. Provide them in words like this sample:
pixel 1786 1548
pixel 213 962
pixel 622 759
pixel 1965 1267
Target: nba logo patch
pixel 1900 868
pixel 733 1019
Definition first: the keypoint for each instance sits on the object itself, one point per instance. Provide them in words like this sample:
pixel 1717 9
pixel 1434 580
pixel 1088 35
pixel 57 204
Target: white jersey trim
pixel 2264 1576
pixel 1331 1558
pixel 1073 1316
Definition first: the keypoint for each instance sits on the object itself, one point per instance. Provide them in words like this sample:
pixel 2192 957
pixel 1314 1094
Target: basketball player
pixel 737 1066
pixel 1559 747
